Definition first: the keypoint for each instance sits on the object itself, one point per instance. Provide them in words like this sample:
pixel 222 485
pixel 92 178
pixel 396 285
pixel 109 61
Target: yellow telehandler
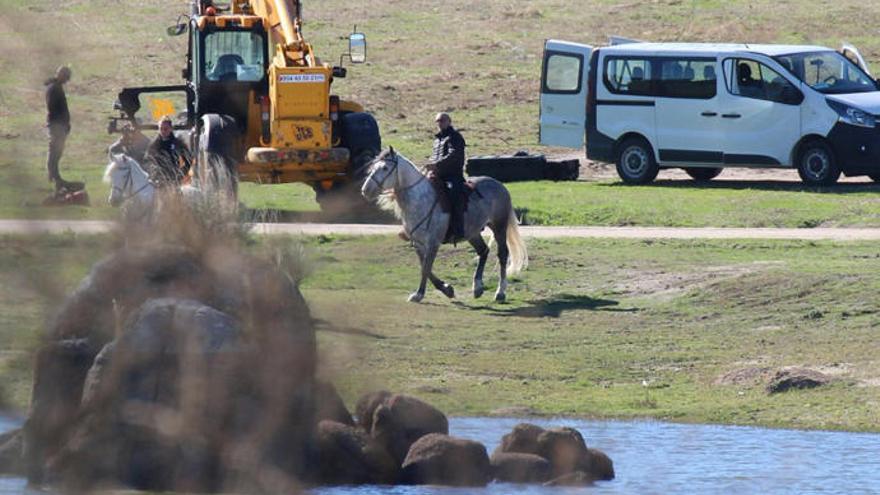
pixel 258 97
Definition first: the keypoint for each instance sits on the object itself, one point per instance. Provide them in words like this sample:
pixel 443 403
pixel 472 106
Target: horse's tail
pixel 519 256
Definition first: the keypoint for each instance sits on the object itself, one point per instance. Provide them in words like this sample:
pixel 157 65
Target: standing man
pixel 168 159
pixel 447 163
pixel 58 124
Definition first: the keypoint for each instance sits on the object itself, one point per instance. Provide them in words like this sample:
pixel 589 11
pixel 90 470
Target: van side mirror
pixel 791 95
pixel 357 48
pixel 176 30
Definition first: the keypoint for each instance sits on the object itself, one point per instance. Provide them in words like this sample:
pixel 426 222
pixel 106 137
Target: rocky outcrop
pixel 520 468
pixel 438 459
pixel 399 420
pixel 796 378
pixel 204 381
pixel 347 455
pixel 11 453
pixel 330 405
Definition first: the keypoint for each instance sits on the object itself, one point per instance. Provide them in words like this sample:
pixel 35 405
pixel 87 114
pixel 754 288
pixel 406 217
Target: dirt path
pixel 842 234
pixel 599 171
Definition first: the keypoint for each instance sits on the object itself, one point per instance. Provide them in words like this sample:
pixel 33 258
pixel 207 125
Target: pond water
pixel 654 457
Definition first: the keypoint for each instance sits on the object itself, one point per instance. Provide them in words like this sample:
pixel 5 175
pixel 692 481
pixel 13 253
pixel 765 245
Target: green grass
pixel 676 203
pixel 480 63
pixel 586 324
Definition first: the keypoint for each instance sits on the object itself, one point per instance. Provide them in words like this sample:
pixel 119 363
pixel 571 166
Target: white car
pixel 703 107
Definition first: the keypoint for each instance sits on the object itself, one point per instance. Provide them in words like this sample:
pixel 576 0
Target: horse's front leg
pixel 483 252
pixel 426 257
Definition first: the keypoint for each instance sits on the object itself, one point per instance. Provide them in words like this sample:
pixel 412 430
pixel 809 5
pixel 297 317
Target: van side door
pixel 564 86
pixel 760 112
pixel 687 114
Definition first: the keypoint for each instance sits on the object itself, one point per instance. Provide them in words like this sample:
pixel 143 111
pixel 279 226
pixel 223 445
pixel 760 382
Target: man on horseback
pixel 168 159
pixel 447 164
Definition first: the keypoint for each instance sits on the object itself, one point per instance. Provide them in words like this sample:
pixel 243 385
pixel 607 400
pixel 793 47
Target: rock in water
pixel 520 468
pixel 402 420
pixel 438 459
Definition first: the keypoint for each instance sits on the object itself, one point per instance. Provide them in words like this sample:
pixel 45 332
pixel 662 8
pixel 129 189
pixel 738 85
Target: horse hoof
pixel 448 291
pixel 415 297
pixel 500 297
pixel 478 290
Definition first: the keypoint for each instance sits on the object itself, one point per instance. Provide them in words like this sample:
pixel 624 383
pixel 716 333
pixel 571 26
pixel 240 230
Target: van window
pixel 630 76
pixel 828 72
pixel 752 79
pixel 670 77
pixel 687 78
pixel 562 73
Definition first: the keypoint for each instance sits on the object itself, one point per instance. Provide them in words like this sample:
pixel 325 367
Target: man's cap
pixel 441 115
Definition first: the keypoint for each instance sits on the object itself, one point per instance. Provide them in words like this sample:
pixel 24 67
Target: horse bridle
pixel 127 184
pixel 394 170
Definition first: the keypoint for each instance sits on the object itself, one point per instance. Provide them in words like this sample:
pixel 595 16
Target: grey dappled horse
pixel 414 200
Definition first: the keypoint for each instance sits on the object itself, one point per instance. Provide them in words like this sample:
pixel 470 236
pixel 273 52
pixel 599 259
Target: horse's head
pixel 382 174
pixel 119 174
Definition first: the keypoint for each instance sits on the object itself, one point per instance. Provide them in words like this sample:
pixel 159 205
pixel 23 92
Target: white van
pixel 703 107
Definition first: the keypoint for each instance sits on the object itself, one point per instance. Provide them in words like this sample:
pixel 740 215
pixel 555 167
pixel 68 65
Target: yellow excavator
pixel 258 96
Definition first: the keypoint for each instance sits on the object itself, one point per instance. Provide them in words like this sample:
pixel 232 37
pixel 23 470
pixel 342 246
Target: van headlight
pixel 851 115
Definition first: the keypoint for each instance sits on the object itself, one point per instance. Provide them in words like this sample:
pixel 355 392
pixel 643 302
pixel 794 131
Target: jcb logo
pixel 304 133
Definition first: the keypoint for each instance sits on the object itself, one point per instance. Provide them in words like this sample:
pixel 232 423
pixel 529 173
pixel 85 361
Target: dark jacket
pixel 56 104
pixel 447 157
pixel 168 160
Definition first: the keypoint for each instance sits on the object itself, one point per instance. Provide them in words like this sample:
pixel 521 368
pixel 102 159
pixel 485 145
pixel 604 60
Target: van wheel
pixel 703 174
pixel 635 161
pixel 817 165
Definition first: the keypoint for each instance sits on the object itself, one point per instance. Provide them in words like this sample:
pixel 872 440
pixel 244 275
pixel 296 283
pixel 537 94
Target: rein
pixel 127 184
pixel 399 189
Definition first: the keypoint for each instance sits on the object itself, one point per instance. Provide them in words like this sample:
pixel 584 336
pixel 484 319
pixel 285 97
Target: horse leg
pixel 500 233
pixel 483 252
pixel 426 256
pixel 442 286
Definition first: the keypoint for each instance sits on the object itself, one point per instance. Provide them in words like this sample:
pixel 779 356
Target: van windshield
pixel 828 72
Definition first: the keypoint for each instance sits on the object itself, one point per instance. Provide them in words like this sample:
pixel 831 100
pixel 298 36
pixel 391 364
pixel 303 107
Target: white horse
pixel 131 189
pixel 414 200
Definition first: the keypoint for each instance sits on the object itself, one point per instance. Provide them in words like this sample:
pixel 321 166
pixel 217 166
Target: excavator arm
pixel 283 20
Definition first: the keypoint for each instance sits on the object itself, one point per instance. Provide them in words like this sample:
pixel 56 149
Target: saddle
pixel 443 193
pixel 444 200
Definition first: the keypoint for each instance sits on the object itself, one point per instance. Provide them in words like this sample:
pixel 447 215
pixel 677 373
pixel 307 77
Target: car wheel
pixel 817 165
pixel 703 174
pixel 635 162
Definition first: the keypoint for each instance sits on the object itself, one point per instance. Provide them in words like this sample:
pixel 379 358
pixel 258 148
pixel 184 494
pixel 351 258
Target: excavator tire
pixel 360 134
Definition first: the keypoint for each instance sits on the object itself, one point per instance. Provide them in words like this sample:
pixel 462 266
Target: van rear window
pixel 562 73
pixel 669 77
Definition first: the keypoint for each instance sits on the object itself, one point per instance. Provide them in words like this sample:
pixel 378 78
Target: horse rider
pixel 447 164
pixel 132 143
pixel 168 159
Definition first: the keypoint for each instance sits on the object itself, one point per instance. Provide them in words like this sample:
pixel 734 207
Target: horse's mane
pixel 387 200
pixel 115 161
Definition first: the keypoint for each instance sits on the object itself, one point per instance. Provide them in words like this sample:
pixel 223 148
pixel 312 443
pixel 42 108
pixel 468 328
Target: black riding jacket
pixel 447 157
pixel 164 158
